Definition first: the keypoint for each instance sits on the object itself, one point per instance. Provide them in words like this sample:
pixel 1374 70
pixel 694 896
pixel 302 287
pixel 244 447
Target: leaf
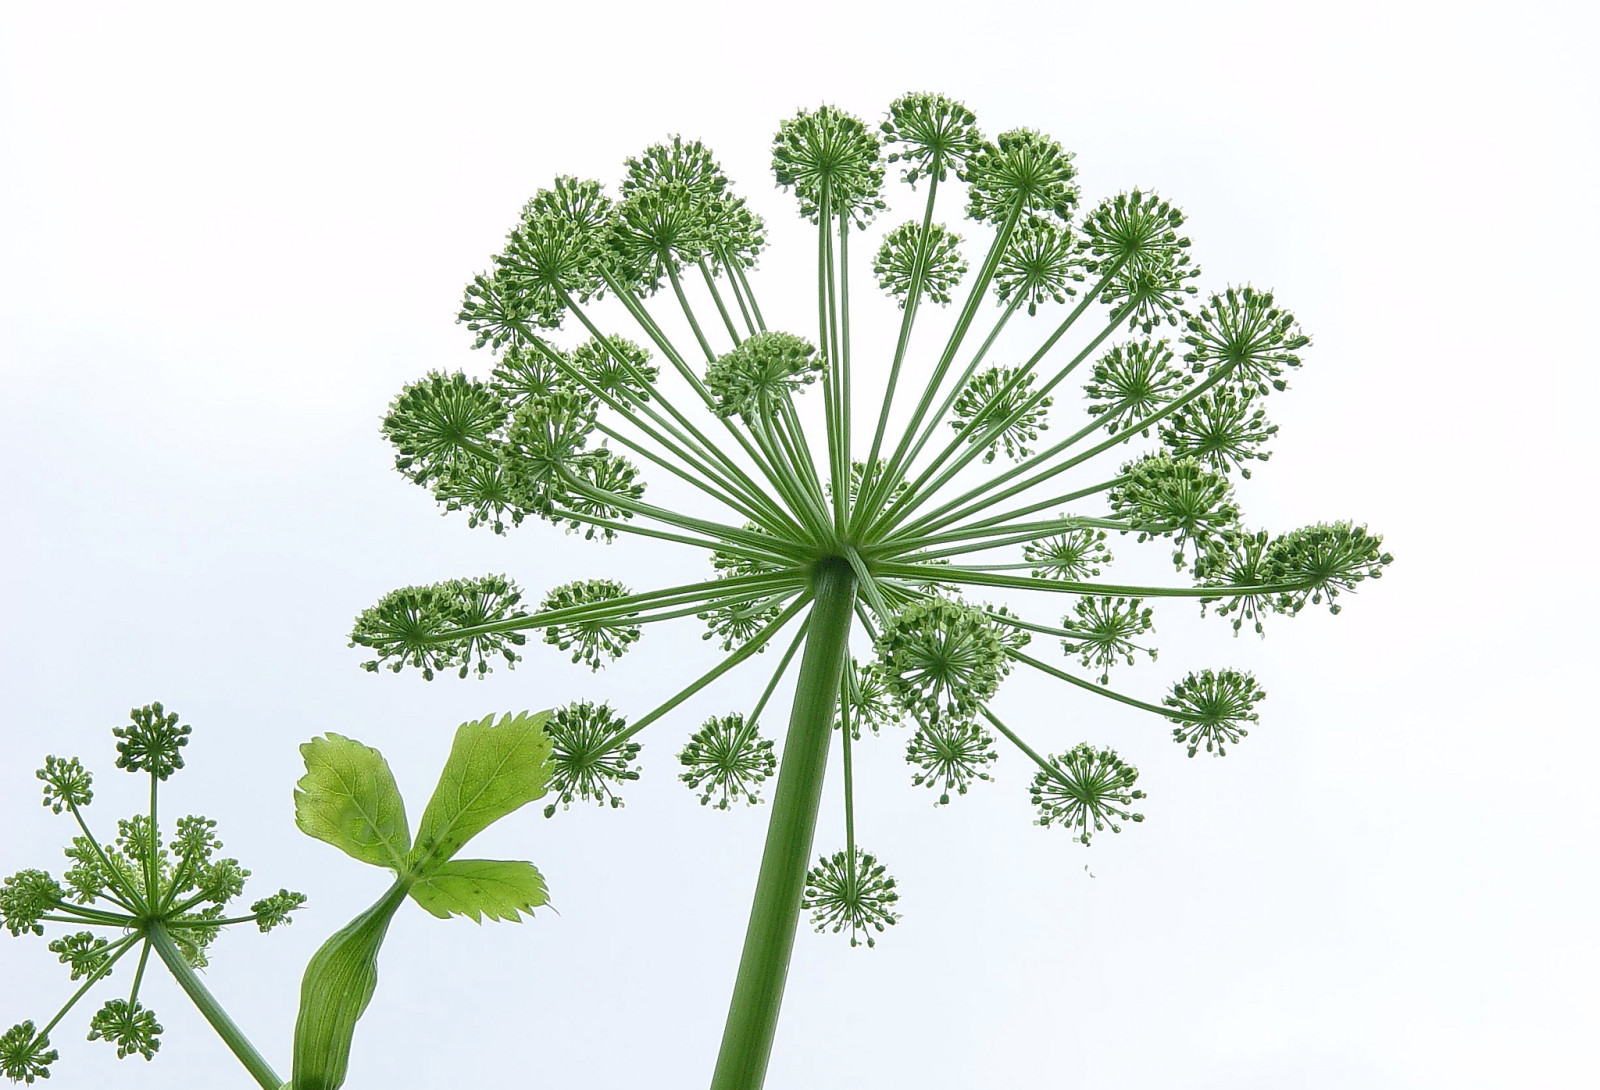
pixel 492 770
pixel 496 888
pixel 348 798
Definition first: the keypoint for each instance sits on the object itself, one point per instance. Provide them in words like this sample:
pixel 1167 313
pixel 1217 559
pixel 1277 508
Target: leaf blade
pixel 475 888
pixel 493 769
pixel 348 798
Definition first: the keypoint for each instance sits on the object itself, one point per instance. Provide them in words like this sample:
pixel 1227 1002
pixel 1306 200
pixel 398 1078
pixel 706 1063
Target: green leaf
pixel 492 770
pixel 348 798
pixel 496 888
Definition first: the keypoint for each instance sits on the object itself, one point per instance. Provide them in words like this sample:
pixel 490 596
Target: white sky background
pixel 228 241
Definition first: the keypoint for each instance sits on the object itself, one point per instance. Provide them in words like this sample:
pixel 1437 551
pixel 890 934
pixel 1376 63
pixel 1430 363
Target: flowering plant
pixel 817 535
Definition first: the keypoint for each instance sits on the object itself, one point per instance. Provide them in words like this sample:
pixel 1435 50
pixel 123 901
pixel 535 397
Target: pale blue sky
pixel 229 237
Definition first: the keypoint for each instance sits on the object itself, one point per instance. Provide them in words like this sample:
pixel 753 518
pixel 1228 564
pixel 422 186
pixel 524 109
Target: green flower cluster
pixel 837 513
pixel 143 891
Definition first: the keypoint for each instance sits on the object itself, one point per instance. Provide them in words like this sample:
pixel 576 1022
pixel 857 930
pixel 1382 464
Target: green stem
pixel 1121 698
pixel 931 426
pixel 942 517
pixel 716 297
pixel 207 1003
pixel 138 974
pixel 908 315
pixel 846 420
pixel 920 491
pixel 738 271
pixel 128 899
pixel 750 647
pixel 775 912
pixel 895 473
pixel 688 311
pixel 738 297
pixel 955 573
pixel 777 674
pixel 152 890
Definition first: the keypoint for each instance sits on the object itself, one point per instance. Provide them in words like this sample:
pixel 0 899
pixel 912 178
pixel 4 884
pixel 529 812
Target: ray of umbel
pixel 628 338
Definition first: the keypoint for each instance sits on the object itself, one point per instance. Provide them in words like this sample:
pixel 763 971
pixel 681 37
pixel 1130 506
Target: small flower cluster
pixel 167 895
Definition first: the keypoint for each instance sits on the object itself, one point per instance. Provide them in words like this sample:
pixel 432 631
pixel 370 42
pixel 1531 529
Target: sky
pixel 231 235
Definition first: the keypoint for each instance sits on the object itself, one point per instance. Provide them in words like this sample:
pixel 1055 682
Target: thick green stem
pixel 231 1035
pixel 775 913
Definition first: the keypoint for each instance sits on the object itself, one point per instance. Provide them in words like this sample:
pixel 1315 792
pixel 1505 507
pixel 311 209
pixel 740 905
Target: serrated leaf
pixel 348 798
pixel 492 770
pixel 496 888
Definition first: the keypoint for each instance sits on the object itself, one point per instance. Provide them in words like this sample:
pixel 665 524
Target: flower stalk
pixel 775 910
pixel 210 1009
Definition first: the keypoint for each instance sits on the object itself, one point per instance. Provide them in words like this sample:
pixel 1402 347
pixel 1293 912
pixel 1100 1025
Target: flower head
pixel 1180 498
pixel 1131 382
pixel 999 400
pixel 594 639
pixel 26 897
pixel 153 742
pixel 591 753
pixel 736 621
pixel 943 265
pixel 581 206
pixel 545 263
pixel 1242 329
pixel 137 886
pixel 950 754
pixel 727 758
pixel 485 490
pixel 421 626
pixel 276 910
pixel 66 783
pixel 129 1026
pixel 1324 560
pixel 760 371
pixel 658 231
pixel 498 313
pixel 724 226
pixel 1234 563
pixel 815 539
pixel 84 952
pixel 1073 554
pixel 441 422
pixel 1088 790
pixel 25 1053
pixel 617 367
pixel 1213 708
pixel 688 163
pixel 941 657
pixel 735 235
pixel 830 159
pixel 525 371
pixel 1223 430
pixel 1023 171
pixel 1134 230
pixel 1133 239
pixel 867 699
pixel 930 134
pixel 1104 630
pixel 1041 262
pixel 855 892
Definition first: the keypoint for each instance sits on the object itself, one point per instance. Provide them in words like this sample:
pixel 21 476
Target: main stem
pixel 231 1035
pixel 775 913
